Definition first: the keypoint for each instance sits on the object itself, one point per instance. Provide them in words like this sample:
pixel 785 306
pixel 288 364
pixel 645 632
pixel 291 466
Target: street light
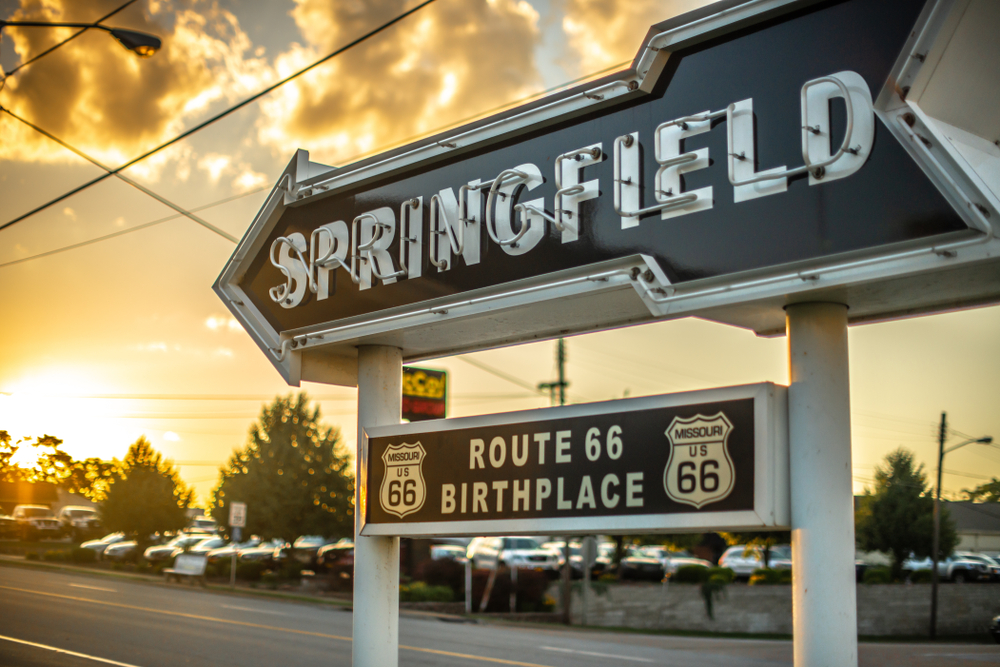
pixel 942 434
pixel 139 43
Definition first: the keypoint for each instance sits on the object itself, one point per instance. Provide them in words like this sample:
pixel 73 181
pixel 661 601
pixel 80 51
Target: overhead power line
pixel 68 39
pixel 141 188
pixel 220 115
pixel 137 228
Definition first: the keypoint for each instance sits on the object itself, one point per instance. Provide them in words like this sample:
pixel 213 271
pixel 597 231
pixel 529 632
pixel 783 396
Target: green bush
pixel 31 555
pixel 690 574
pixel 291 571
pixel 248 571
pixel 724 572
pixel 920 577
pixel 78 555
pixel 269 579
pixel 770 577
pixel 54 556
pixel 418 591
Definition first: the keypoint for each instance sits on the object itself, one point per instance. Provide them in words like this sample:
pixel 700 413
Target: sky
pixel 110 327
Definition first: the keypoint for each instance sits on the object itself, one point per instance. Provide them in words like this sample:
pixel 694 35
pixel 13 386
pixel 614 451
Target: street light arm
pixel 985 440
pixel 139 43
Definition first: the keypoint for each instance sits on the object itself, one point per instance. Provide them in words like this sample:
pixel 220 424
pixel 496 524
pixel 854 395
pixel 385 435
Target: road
pixel 53 618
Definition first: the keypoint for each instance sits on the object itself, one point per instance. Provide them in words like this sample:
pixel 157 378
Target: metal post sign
pixel 238 515
pixel 714 459
pixel 425 394
pixel 755 154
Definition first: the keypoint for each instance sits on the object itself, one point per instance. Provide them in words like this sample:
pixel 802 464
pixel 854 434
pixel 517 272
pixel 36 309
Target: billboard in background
pixel 425 394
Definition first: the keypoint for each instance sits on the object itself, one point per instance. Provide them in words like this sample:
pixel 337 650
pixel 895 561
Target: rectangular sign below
pixel 425 394
pixel 694 461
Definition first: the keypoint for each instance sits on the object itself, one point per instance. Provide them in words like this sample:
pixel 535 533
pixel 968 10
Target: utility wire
pixel 219 116
pixel 68 39
pixel 141 188
pixel 122 232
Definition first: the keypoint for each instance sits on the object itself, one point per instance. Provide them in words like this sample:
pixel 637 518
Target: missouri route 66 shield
pixel 403 490
pixel 699 470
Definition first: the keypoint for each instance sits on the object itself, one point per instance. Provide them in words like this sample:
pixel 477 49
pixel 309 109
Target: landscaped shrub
pixel 418 591
pixel 54 556
pixel 78 555
pixel 724 572
pixel 31 555
pixel 920 577
pixel 444 572
pixel 877 575
pixel 531 586
pixel 290 571
pixel 248 571
pixel 690 574
pixel 770 577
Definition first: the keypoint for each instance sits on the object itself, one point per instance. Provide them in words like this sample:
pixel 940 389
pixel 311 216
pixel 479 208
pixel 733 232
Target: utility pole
pixel 560 386
pixel 935 545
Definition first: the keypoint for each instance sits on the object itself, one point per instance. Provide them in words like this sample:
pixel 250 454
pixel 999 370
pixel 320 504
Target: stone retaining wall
pixel 882 609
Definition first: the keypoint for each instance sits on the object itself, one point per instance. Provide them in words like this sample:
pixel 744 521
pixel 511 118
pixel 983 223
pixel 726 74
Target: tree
pixel 985 493
pixel 293 474
pixel 146 496
pixel 89 477
pixel 898 517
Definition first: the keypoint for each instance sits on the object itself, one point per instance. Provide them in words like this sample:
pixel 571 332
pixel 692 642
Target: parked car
pixel 36 522
pixel 202 524
pixel 263 552
pixel 166 552
pixel 519 552
pixel 305 548
pixel 448 552
pixel 995 629
pixel 336 560
pixel 203 547
pixel 743 562
pixel 9 528
pixel 78 521
pixel 121 551
pixel 636 564
pixel 991 563
pixel 959 568
pixel 101 545
pixel 226 552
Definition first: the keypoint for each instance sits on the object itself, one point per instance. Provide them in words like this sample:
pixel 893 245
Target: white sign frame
pixel 771 484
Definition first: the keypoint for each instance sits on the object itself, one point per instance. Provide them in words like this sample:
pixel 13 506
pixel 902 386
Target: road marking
pixel 214 619
pixel 598 655
pixel 65 652
pixel 259 611
pixel 94 588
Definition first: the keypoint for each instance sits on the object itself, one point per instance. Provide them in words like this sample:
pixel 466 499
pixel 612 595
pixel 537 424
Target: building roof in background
pixel 975 517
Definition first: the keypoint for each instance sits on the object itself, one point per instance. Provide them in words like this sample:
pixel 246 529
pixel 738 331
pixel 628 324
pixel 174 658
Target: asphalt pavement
pixel 55 618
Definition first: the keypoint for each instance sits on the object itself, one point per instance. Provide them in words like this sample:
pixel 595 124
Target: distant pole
pixel 936 544
pixel 561 363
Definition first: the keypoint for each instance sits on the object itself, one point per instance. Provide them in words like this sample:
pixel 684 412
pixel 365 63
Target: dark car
pixel 8 527
pixel 305 548
pixel 336 560
pixel 121 551
pixel 640 566
pixel 226 552
pixel 995 629
pixel 165 552
pixel 263 552
pixel 36 522
pixel 79 522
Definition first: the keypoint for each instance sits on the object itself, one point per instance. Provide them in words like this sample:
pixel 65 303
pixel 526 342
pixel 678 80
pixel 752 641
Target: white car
pixel 519 552
pixel 743 562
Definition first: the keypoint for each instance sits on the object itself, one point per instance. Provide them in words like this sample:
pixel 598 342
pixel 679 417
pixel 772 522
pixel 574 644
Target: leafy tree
pixel 89 477
pixel 293 474
pixel 898 517
pixel 9 472
pixel 985 493
pixel 146 496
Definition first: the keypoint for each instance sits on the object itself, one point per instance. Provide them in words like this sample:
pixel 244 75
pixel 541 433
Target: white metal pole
pixel 376 559
pixel 824 596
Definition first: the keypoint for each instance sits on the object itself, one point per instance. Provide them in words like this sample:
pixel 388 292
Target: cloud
pixel 107 102
pixel 170 436
pixel 603 33
pixel 441 65
pixel 223 323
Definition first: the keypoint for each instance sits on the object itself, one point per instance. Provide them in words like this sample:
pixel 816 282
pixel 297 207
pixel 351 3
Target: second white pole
pixel 824 596
pixel 376 559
